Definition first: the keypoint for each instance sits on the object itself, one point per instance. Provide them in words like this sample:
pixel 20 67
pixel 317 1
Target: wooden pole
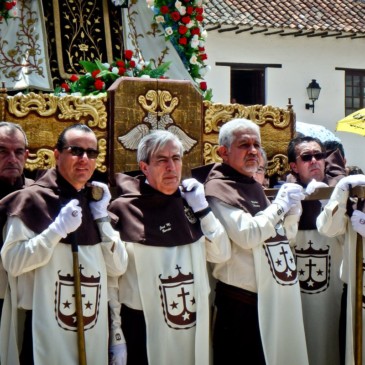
pixel 358 301
pixel 78 302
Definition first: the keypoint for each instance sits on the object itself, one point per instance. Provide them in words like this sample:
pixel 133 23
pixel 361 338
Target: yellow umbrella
pixel 353 123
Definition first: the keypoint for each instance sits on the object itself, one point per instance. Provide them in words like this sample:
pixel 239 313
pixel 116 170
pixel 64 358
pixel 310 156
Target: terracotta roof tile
pixel 317 15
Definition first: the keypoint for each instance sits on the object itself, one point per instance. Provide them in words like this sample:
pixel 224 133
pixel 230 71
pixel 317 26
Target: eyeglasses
pixel 318 156
pixel 79 151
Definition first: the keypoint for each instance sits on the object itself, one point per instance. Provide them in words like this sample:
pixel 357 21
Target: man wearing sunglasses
pixel 318 257
pixel 49 222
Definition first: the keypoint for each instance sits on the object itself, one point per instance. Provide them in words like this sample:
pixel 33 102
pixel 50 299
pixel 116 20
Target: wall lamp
pixel 313 91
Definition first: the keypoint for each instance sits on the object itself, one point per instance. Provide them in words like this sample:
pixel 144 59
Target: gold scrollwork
pixel 43 104
pixel 42 159
pixel 278 165
pixel 210 154
pixel 100 162
pixel 158 100
pixel 74 107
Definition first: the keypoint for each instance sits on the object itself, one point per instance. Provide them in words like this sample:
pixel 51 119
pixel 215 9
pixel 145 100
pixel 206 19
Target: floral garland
pixel 183 26
pixel 7 9
pixel 99 76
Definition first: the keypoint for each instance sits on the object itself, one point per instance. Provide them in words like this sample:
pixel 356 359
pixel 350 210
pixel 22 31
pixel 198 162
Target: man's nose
pixel 170 164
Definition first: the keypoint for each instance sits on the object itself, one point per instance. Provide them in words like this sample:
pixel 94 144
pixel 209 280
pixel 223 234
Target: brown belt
pixel 224 290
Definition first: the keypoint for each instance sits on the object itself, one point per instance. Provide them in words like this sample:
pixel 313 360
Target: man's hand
pixel 313 185
pixel 193 193
pixel 288 196
pixel 99 208
pixel 353 180
pixel 68 219
pixel 358 221
pixel 118 354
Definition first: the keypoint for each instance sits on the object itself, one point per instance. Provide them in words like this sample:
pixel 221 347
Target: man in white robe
pixel 47 224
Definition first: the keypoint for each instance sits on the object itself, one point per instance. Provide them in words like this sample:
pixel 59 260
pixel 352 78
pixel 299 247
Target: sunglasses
pixel 79 151
pixel 318 156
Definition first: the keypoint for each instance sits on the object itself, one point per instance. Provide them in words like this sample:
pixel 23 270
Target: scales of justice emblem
pixel 313 268
pixel 281 260
pixel 65 305
pixel 178 300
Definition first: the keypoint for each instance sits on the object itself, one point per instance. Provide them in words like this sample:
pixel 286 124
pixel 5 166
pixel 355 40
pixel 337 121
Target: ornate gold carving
pixel 278 165
pixel 100 162
pixel 210 153
pixel 159 104
pixel 74 107
pixel 42 159
pixel 21 105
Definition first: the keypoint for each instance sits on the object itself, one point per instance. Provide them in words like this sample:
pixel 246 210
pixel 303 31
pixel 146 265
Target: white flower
pixel 204 34
pixel 169 31
pixel 118 2
pixel 182 10
pixel 193 60
pixel 150 3
pixel 178 4
pixel 115 70
pixel 199 3
pixel 107 65
pixel 13 12
pixel 77 93
pixel 204 70
pixel 145 77
pixel 190 24
pixel 194 42
pixel 160 19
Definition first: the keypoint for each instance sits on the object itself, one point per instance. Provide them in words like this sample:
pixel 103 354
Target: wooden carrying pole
pixel 78 301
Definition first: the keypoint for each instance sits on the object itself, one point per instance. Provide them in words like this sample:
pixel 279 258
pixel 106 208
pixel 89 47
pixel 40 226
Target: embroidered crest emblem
pixel 313 268
pixel 178 300
pixel 65 306
pixel 281 260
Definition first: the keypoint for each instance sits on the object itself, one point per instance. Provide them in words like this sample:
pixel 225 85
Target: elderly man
pixel 169 232
pixel 48 223
pixel 257 293
pixel 13 154
pixel 318 257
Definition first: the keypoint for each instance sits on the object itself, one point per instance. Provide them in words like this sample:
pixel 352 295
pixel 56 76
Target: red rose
pixel 74 78
pixel 189 10
pixel 9 5
pixel 203 85
pixel 199 11
pixel 65 87
pixel 185 19
pixel 183 29
pixel 120 63
pixel 95 73
pixel 203 56
pixel 99 84
pixel 201 49
pixel 195 31
pixel 183 41
pixel 128 54
pixel 175 16
pixel 121 71
pixel 132 63
pixel 199 18
pixel 164 9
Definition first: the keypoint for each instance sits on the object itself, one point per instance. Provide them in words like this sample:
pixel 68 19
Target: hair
pixel 331 146
pixel 12 128
pixel 228 129
pixel 61 142
pixel 354 170
pixel 153 142
pixel 292 153
pixel 264 156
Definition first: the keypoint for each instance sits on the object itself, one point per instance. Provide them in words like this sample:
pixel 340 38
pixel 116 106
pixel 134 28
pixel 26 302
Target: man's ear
pixel 143 167
pixel 222 152
pixel 293 167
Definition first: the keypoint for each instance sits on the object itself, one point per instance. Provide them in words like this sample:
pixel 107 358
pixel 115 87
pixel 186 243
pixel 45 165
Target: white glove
pixel 288 196
pixel 193 193
pixel 358 221
pixel 353 180
pixel 313 185
pixel 68 219
pixel 296 209
pixel 99 208
pixel 118 354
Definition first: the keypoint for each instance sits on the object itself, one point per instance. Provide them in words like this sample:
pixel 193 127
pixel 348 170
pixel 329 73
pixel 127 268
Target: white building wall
pixel 302 60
